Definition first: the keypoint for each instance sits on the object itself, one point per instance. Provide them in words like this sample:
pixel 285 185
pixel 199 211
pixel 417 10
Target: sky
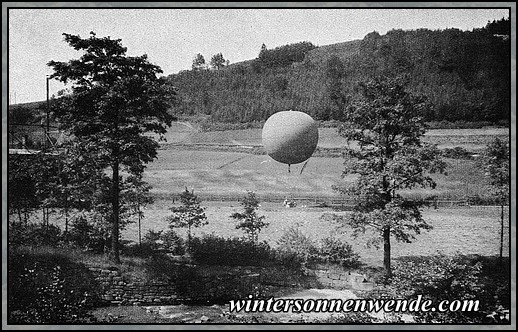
pixel 172 37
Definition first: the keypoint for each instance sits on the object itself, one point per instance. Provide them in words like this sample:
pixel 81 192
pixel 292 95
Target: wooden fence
pixel 313 200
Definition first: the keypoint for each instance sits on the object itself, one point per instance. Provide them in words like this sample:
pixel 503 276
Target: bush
pixel 482 200
pixel 196 284
pixel 21 233
pixel 442 278
pixel 457 153
pixel 248 220
pixel 335 251
pixel 165 242
pixel 216 250
pixel 49 289
pixel 85 235
pixel 444 124
pixel 296 248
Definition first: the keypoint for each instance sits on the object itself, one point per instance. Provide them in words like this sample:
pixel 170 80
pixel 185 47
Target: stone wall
pixel 341 279
pixel 116 288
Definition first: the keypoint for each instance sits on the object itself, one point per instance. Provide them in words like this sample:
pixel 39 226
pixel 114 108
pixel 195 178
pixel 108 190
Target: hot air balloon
pixel 290 137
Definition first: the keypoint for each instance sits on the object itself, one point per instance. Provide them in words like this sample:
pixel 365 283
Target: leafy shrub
pixel 197 284
pixel 333 250
pixel 444 124
pixel 166 242
pixel 248 220
pixel 21 233
pixel 49 289
pixel 188 214
pixel 160 267
pixel 441 278
pixel 86 236
pixel 216 250
pixel 457 153
pixel 482 200
pixel 296 248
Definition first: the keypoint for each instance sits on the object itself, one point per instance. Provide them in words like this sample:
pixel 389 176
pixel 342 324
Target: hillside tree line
pixel 465 74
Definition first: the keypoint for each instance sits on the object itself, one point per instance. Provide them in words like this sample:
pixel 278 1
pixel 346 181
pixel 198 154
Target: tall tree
pixel 248 220
pixel 388 158
pixel 70 179
pixel 22 186
pixel 115 100
pixel 217 61
pixel 137 195
pixel 496 160
pixel 198 63
pixel 335 71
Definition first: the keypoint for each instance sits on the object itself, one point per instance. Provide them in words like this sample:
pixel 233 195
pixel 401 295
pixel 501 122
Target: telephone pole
pixel 47 129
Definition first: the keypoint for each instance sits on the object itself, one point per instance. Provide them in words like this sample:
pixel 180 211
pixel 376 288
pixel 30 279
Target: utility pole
pixel 48 118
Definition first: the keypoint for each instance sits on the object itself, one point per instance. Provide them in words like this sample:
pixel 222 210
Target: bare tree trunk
pixel 189 239
pixel 139 226
pixel 501 231
pixel 115 208
pixel 66 215
pixel 386 252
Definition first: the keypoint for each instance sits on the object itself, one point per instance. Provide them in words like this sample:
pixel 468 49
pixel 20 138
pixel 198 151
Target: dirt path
pixel 221 314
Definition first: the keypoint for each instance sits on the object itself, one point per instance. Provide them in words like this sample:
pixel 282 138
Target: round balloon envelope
pixel 290 137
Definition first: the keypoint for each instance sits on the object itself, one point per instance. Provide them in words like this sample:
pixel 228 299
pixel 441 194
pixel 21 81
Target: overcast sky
pixel 172 37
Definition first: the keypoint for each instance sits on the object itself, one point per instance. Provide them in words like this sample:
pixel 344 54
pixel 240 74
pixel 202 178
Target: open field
pixel 211 172
pixel 230 172
pixel 227 172
pixel 463 230
pixel 473 140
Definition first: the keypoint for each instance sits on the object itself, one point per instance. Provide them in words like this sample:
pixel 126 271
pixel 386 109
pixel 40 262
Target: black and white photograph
pixel 258 165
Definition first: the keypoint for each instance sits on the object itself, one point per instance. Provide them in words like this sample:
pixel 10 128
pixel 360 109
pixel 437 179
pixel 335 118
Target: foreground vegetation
pixel 52 284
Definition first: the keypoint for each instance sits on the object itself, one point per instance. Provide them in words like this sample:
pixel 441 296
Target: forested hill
pixel 465 74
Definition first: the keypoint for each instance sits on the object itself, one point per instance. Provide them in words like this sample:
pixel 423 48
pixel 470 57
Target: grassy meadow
pixel 226 172
pixel 211 172
pixel 465 230
pixel 455 230
pixel 473 140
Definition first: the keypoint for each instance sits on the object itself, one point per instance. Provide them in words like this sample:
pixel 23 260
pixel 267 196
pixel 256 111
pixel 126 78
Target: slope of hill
pixel 464 74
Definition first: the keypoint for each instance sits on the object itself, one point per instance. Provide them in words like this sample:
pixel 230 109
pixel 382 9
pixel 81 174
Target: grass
pixel 128 315
pixel 456 230
pixel 229 172
pixel 129 265
pixel 471 139
pixel 224 172
pixel 210 172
